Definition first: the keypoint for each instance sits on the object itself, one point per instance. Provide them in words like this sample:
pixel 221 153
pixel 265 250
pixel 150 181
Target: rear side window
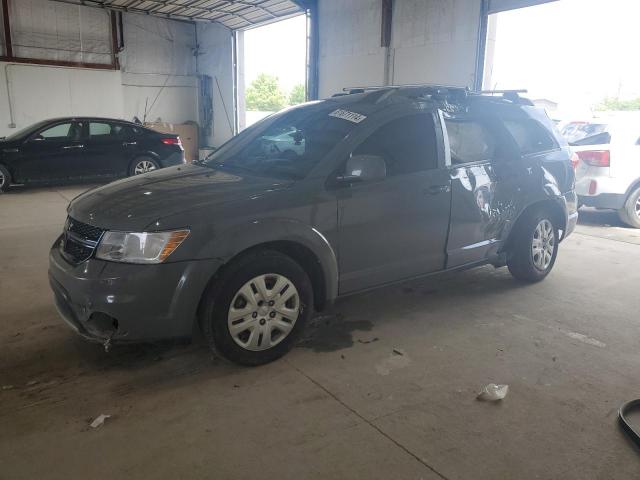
pixel 469 141
pixel 407 144
pixel 530 136
pixel 103 130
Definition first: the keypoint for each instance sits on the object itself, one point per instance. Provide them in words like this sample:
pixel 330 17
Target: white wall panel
pixel 350 51
pixel 157 45
pixel 435 41
pixel 45 92
pixel 58 31
pixel 158 63
pixel 216 60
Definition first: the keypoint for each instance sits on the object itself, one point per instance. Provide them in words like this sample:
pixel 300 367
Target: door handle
pixel 436 189
pixel 126 144
pixel 69 147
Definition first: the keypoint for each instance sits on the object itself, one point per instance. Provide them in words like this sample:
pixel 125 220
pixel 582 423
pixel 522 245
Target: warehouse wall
pixel 216 60
pixel 158 61
pixel 350 51
pixel 433 41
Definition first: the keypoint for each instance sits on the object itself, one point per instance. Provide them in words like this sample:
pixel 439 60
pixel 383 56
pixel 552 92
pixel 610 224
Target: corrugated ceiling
pixel 233 14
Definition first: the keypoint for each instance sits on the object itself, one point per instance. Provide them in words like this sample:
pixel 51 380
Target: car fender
pixel 233 241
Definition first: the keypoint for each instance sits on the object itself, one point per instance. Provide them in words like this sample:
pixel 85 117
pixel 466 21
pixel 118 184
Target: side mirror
pixel 364 168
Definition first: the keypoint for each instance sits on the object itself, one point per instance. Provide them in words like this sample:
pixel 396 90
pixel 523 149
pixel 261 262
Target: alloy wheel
pixel 263 312
pixel 637 208
pixel 2 180
pixel 543 244
pixel 144 166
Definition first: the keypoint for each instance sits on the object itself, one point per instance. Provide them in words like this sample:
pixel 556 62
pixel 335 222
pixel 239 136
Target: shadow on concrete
pixel 600 218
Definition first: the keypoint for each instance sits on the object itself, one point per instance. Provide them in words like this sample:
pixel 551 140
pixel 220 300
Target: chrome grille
pixel 79 240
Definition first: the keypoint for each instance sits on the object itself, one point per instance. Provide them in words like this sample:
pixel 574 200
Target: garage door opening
pixel 271 68
pixel 575 57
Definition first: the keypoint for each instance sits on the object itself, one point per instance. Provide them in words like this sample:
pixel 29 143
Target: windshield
pixel 291 144
pixel 25 131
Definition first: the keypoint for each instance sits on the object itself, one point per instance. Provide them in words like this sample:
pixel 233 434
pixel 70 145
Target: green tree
pixel 297 95
pixel 265 94
pixel 611 103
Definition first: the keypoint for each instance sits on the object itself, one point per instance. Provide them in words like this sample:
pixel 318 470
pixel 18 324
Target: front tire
pixel 534 247
pixel 630 213
pixel 143 165
pixel 255 312
pixel 5 179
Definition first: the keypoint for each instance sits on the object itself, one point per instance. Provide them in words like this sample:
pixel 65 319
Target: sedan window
pixel 99 129
pixel 62 131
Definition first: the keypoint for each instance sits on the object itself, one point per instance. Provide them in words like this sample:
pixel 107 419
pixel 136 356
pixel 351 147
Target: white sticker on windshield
pixel 347 115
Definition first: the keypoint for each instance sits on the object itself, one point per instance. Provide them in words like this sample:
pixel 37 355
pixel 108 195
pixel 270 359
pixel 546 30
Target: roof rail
pixel 414 85
pixel 502 92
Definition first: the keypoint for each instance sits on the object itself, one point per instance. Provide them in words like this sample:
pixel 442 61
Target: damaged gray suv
pixel 319 201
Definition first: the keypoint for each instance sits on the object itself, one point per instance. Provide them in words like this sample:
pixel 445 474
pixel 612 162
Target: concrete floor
pixel 342 404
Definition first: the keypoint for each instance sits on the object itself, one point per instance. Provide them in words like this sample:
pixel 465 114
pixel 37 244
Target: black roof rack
pixel 443 90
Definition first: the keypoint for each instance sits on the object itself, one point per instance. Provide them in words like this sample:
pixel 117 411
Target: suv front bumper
pixel 123 302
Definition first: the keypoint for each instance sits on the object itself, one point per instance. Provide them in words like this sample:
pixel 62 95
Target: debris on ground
pixel 493 392
pixel 397 351
pixel 31 383
pixel 374 339
pixel 99 421
pixel 7 387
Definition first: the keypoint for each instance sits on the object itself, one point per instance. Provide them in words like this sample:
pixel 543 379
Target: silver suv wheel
pixel 637 208
pixel 2 179
pixel 263 312
pixel 543 244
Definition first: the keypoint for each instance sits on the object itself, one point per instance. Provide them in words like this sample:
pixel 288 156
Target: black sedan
pixel 82 148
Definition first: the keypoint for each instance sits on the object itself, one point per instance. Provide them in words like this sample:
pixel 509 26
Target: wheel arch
pixel 632 188
pixel 308 248
pixel 552 206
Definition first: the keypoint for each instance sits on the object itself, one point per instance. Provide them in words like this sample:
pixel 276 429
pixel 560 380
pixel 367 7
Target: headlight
pixel 145 247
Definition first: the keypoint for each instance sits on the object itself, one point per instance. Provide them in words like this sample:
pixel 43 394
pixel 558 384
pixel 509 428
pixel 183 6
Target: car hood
pixel 136 202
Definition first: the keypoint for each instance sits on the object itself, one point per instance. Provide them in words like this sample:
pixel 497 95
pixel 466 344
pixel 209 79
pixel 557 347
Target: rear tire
pixel 258 284
pixel 534 247
pixel 630 213
pixel 143 165
pixel 5 179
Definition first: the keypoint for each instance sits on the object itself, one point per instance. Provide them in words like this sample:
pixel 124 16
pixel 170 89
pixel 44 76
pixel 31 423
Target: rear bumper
pixel 570 201
pixel 106 300
pixel 176 158
pixel 612 201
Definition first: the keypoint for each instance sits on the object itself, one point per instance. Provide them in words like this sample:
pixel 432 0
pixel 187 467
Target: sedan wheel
pixel 263 312
pixel 5 179
pixel 144 166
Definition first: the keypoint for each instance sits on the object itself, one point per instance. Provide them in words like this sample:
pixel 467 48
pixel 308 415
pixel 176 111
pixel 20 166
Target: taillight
pixel 575 160
pixel 171 141
pixel 596 158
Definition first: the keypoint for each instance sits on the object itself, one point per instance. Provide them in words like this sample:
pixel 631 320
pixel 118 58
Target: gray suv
pixel 316 202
